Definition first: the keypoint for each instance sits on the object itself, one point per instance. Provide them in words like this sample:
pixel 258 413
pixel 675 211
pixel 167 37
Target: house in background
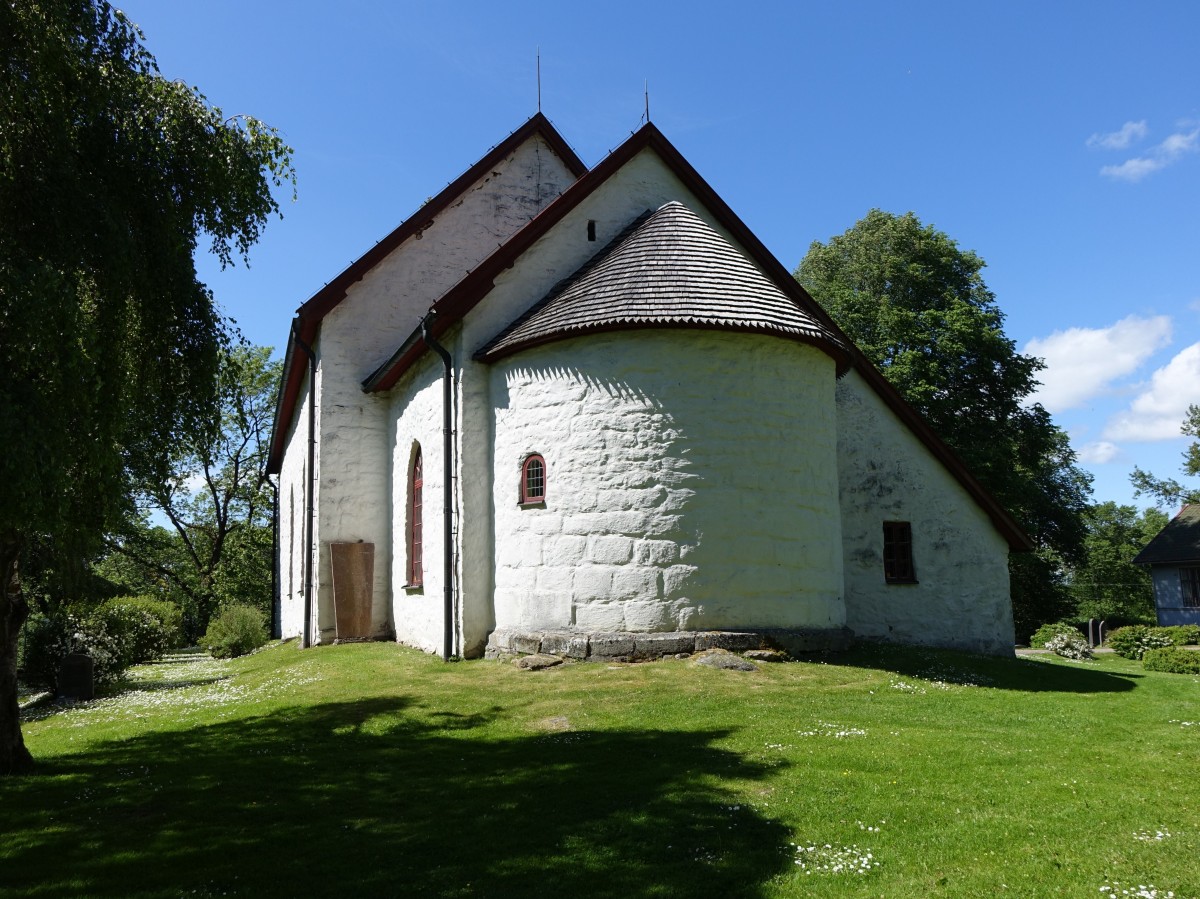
pixel 590 403
pixel 1173 558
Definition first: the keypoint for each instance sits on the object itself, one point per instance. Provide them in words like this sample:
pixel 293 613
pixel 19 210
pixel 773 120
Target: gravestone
pixel 76 678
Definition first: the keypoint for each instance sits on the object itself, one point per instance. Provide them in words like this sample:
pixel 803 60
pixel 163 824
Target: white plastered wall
pixel 691 484
pixel 293 493
pixel 643 183
pixel 418 612
pixel 377 314
pixel 961 599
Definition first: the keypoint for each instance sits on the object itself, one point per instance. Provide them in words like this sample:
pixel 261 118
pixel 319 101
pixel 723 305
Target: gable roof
pixel 464 296
pixel 308 318
pixel 1179 541
pixel 669 268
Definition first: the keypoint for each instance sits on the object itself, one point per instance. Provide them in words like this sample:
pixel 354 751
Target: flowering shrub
pixel 1043 634
pixel 1070 646
pixel 1133 641
pixel 237 630
pixel 1183 634
pixel 1172 659
pixel 48 640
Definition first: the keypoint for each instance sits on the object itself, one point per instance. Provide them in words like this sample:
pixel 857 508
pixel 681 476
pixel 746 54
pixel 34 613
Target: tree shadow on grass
pixel 949 666
pixel 378 798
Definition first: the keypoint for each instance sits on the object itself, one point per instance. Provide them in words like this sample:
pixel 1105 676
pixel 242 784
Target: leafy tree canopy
pixel 109 344
pixel 217 501
pixel 1107 584
pixel 917 306
pixel 1167 492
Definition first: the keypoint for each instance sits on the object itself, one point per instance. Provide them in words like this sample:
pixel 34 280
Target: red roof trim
pixel 325 300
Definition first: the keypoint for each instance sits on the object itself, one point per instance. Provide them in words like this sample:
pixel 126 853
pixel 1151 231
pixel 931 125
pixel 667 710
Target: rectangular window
pixel 1189 587
pixel 897 553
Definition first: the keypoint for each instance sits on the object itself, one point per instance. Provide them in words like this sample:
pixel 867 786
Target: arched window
pixel 415 568
pixel 533 480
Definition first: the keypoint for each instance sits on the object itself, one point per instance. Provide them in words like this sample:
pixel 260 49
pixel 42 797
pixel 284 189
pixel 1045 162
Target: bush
pixel 145 628
pixel 1172 659
pixel 1132 642
pixel 1070 646
pixel 48 640
pixel 1044 633
pixel 236 631
pixel 1183 634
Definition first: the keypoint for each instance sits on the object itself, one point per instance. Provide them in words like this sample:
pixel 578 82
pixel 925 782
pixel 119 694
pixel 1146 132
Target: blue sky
pixel 1061 142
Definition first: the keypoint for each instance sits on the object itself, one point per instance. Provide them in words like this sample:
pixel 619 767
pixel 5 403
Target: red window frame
pixel 415 481
pixel 897 553
pixel 533 480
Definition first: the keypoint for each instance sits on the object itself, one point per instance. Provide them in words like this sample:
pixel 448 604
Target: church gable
pixel 392 280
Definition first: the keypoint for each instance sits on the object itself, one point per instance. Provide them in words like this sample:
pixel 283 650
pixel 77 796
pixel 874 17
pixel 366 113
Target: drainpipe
pixel 447 492
pixel 276 601
pixel 312 480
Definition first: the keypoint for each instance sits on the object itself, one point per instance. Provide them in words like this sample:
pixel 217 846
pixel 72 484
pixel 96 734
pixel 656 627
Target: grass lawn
pixel 376 770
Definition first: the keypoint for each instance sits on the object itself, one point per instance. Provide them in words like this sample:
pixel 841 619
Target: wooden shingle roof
pixel 669 269
pixel 1179 541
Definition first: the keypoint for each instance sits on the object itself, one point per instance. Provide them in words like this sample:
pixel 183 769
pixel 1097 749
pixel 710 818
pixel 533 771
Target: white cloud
pixel 1119 140
pixel 1082 362
pixel 1099 453
pixel 1158 411
pixel 1167 153
pixel 1194 305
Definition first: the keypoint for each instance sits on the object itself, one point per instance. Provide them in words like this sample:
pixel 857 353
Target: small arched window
pixel 533 480
pixel 415 568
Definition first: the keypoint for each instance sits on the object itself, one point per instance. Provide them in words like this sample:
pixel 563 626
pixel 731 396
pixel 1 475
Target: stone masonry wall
pixel 691 484
pixel 961 599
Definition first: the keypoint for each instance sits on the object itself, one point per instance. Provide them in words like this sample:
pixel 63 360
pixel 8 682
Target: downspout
pixel 276 599
pixel 447 492
pixel 310 489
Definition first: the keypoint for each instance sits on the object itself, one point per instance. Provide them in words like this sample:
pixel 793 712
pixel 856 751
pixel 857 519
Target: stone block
pixel 610 550
pixel 765 655
pixel 573 646
pixel 727 661
pixel 599 617
pixel 525 642
pixel 798 641
pixel 652 646
pixel 555 580
pixel 565 551
pixel 733 641
pixel 611 646
pixel 537 662
pixel 631 582
pixel 647 615
pixel 593 582
pixel 500 640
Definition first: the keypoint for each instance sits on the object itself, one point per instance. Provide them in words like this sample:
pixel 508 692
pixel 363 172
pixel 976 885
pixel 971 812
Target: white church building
pixel 587 406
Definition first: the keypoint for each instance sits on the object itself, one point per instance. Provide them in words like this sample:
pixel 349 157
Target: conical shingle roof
pixel 668 269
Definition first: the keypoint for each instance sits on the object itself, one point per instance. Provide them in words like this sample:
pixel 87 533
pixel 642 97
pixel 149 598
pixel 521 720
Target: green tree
pixel 1167 492
pixel 217 500
pixel 1107 584
pixel 109 343
pixel 917 306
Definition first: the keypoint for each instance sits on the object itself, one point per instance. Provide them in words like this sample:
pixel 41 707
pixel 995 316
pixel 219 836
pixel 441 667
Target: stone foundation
pixel 629 647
